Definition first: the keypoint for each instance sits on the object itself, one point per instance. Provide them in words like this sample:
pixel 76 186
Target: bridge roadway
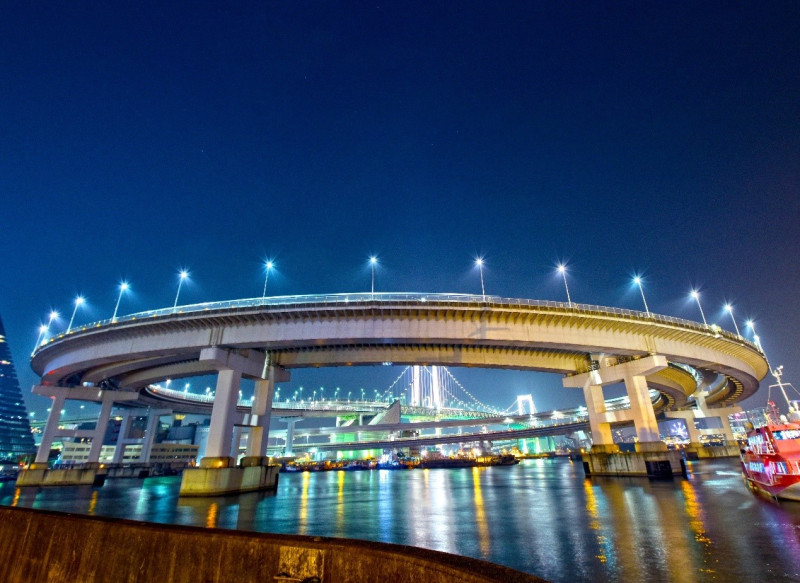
pixel 263 339
pixel 428 440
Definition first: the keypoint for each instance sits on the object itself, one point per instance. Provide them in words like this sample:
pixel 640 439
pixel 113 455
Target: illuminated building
pixel 16 440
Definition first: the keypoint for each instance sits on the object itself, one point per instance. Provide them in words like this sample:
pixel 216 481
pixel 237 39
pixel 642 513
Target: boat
pixel 771 458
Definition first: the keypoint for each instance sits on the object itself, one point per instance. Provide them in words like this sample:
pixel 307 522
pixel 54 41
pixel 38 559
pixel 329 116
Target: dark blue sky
pixel 622 137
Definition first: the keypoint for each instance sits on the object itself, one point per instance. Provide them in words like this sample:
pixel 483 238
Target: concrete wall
pixel 38 545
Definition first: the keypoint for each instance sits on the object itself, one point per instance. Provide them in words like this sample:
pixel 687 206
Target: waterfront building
pixel 16 440
pixel 165 454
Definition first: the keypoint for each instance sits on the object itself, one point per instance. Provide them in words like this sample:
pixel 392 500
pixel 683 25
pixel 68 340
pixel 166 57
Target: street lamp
pixel 479 263
pixel 729 309
pixel 562 269
pixel 123 287
pixel 182 275
pixel 78 302
pixel 267 268
pixel 756 339
pixel 372 262
pixel 638 281
pixel 696 296
pixel 42 330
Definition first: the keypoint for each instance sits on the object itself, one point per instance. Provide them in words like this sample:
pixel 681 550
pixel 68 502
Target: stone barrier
pixel 39 545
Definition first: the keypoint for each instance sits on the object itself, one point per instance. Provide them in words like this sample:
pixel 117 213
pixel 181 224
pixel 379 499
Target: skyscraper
pixel 15 430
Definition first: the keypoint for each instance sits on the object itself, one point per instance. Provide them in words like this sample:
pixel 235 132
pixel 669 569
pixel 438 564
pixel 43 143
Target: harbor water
pixel 541 516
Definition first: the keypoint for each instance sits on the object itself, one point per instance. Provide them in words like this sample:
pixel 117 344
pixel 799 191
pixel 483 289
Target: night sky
pixel 661 138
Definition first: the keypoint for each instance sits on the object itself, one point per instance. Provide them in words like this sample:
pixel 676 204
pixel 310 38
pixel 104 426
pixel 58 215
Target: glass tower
pixel 15 430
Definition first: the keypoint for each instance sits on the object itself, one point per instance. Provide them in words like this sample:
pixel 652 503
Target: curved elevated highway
pixel 359 329
pixel 263 339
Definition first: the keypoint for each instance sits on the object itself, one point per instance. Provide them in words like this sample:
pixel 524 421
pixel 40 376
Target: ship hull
pixel 782 491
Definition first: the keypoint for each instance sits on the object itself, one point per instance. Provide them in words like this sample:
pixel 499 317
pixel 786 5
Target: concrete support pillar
pixel 220 431
pixel 236 442
pixel 633 373
pixel 644 418
pixel 100 428
pixel 289 449
pixel 727 432
pixel 50 428
pixel 691 428
pixel 596 408
pixel 149 437
pixel 261 413
pixel 119 451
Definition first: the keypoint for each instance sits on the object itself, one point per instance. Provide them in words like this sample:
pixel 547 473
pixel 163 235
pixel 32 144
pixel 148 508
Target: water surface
pixel 542 516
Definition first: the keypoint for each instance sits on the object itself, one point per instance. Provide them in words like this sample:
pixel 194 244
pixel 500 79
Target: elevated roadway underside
pixel 361 329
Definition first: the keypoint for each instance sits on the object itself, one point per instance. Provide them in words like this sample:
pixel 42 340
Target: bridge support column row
pixel 218 473
pixel 38 473
pixel 141 467
pixel 651 457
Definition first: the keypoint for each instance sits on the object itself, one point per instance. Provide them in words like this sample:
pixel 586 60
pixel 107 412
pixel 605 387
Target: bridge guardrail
pixel 366 298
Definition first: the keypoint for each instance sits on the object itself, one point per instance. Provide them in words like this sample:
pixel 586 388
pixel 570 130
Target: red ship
pixel 771 460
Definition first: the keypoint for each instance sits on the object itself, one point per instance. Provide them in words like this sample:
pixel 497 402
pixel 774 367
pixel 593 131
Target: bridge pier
pixel 39 472
pixel 651 457
pixel 696 449
pixel 217 472
pixel 140 468
pixel 289 448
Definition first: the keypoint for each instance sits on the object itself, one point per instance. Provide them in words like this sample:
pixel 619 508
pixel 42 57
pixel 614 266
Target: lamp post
pixel 638 281
pixel 479 263
pixel 42 329
pixel 562 269
pixel 181 276
pixel 696 296
pixel 372 261
pixel 123 287
pixel 78 302
pixel 756 339
pixel 267 268
pixel 729 309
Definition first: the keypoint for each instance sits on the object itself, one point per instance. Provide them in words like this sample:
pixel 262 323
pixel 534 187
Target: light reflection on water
pixel 541 516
